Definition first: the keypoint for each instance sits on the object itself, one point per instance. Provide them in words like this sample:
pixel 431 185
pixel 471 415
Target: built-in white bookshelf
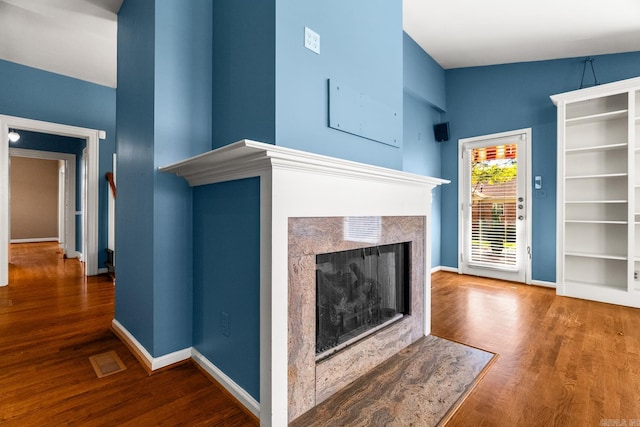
pixel 598 224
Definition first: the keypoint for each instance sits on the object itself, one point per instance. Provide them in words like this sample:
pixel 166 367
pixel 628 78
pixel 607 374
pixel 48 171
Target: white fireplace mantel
pixel 248 158
pixel 293 184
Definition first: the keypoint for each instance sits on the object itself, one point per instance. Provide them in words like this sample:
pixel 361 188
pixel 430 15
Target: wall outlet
pixel 224 324
pixel 312 40
pixel 635 275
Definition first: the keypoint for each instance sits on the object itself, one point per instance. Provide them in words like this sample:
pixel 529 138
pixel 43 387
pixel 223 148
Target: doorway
pixel 90 218
pixel 66 195
pixel 494 193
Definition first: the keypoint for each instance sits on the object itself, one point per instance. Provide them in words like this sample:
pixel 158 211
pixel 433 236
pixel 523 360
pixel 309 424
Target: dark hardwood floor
pixel 52 319
pixel 563 361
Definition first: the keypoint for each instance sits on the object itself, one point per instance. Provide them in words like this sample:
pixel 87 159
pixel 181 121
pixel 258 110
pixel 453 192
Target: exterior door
pixel 494 225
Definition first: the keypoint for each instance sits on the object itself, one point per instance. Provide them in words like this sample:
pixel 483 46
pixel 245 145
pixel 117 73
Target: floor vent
pixel 107 364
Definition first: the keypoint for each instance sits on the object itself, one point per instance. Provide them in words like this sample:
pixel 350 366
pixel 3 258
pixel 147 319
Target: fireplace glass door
pixel 359 292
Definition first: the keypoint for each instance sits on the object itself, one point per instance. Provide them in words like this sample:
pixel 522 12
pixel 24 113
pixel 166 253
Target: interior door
pixel 494 224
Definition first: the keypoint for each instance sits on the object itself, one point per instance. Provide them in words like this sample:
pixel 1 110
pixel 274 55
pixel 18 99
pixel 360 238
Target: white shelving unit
pixel 598 223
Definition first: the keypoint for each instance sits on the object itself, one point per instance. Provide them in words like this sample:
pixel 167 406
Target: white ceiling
pixel 77 38
pixel 467 33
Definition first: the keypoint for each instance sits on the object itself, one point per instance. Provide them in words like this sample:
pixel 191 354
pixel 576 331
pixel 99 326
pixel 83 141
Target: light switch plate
pixel 537 183
pixel 311 40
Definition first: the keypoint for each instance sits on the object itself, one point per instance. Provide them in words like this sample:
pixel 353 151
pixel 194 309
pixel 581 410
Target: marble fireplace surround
pixel 310 383
pixel 298 186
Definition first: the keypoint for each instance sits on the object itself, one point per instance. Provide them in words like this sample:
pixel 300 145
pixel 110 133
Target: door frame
pixel 92 136
pixel 528 195
pixel 62 204
pixel 67 208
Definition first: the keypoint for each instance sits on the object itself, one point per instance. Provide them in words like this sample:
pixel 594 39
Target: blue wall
pixel 182 128
pixel 424 102
pixel 269 88
pixel 58 144
pixel 41 95
pixel 244 71
pixel 360 47
pixel 424 78
pixel 227 278
pixel 134 207
pixel 485 100
pixel 164 115
pixel 421 155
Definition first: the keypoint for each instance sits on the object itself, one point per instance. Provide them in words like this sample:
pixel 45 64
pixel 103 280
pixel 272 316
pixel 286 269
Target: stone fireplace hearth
pixel 305 201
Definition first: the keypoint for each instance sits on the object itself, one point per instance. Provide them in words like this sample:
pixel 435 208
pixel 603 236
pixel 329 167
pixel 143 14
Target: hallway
pixel 52 319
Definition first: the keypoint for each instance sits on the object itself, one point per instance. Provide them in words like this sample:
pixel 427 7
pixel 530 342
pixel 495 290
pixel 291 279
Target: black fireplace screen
pixel 359 291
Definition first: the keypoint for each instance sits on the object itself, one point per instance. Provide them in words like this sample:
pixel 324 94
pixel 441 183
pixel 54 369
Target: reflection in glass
pixel 359 291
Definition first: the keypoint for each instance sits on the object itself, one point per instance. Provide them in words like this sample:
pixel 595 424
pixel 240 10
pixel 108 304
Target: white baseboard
pixel 448 269
pixel 543 283
pixel 35 240
pixel 231 386
pixel 103 270
pixel 152 363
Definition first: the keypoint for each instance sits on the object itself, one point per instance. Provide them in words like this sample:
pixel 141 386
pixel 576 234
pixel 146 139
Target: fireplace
pixel 312 205
pixel 335 264
pixel 359 292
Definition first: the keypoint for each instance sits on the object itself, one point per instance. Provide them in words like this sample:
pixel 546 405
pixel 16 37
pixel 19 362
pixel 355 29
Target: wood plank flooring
pixel 52 319
pixel 562 361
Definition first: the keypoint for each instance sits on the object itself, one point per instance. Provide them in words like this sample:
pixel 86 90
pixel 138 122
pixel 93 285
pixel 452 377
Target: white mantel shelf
pixel 248 158
pixel 297 184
